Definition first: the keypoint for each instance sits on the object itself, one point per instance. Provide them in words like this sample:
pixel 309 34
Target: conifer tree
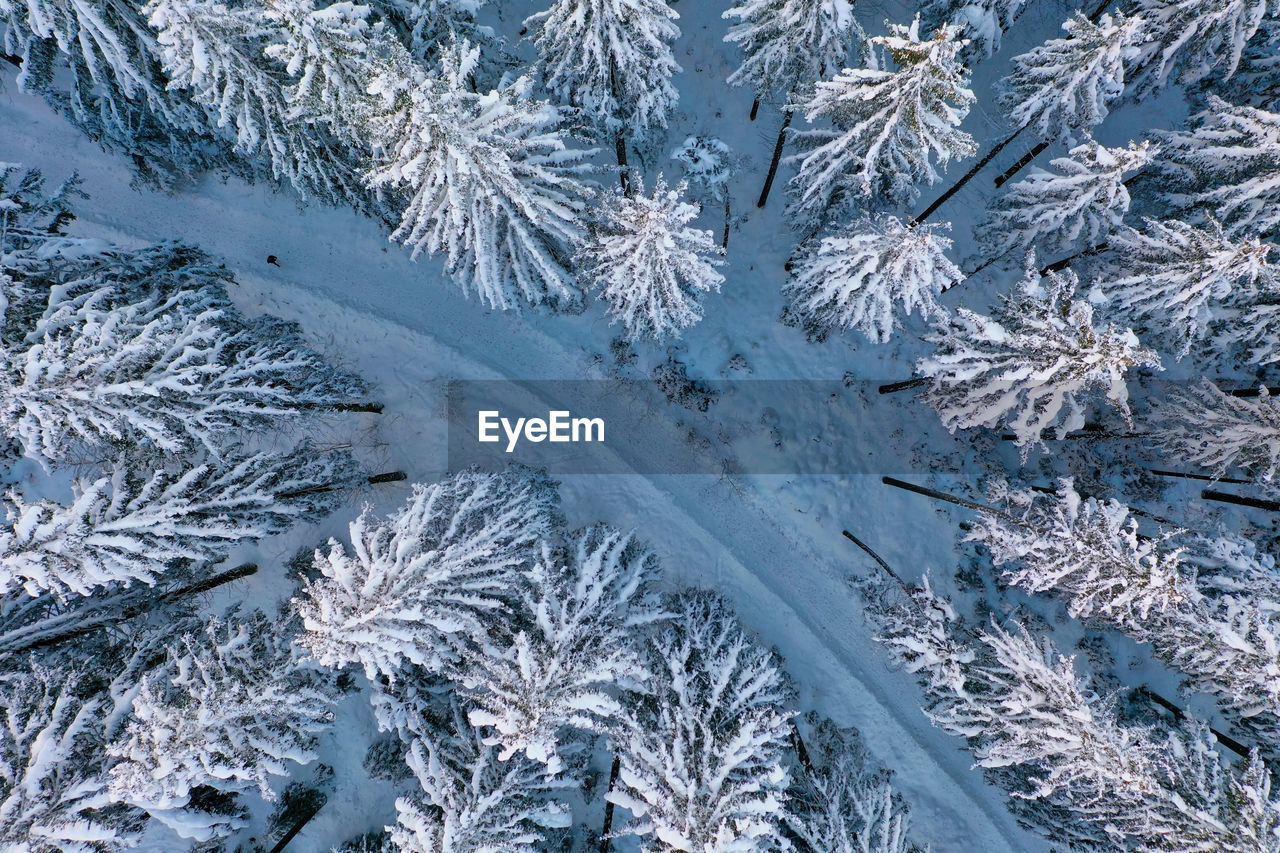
pixel 1031 367
pixel 1071 766
pixel 701 757
pixel 1077 207
pixel 52 766
pixel 230 709
pixel 470 798
pixel 890 128
pixel 1182 279
pixel 982 22
pixel 1064 87
pixel 789 45
pixel 1227 167
pixel 133 525
pixel 417 587
pixel 841 806
pixel 218 53
pixel 1191 39
pixel 1206 427
pixel 612 59
pixel 1204 604
pixel 144 347
pixel 99 64
pixel 492 186
pixel 574 648
pixel 646 261
pixel 864 275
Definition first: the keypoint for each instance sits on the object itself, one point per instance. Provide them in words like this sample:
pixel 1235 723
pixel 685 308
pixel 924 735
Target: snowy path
pixel 775 551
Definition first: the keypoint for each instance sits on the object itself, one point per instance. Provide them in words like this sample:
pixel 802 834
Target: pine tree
pixel 1227 167
pixel 648 263
pixel 1086 550
pixel 707 163
pixel 862 276
pixel 1182 278
pixel 493 188
pixel 1256 83
pixel 144 347
pixel 789 45
pixel 52 766
pixel 328 52
pixel 230 709
pixel 471 799
pixel 1031 366
pixel 427 27
pixel 1216 625
pixel 1077 207
pixel 218 53
pixel 700 759
pixel 99 64
pixel 839 806
pixel 1070 765
pixel 575 647
pixel 981 22
pixel 890 127
pixel 30 215
pixel 1206 427
pixel 1065 87
pixel 1191 39
pixel 612 59
pixel 134 524
pixel 417 585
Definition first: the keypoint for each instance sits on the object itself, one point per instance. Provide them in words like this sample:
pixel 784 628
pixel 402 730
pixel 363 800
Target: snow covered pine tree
pixel 144 348
pixel 415 588
pixel 863 275
pixel 889 126
pixel 576 645
pixel 1075 209
pixel 1029 367
pixel 613 60
pixel 701 757
pixel 647 262
pixel 230 709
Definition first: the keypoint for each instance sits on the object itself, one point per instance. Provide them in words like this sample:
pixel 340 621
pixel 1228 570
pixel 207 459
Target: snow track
pixel 770 544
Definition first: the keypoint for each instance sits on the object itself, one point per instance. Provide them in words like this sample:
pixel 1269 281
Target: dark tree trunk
pixel 802 752
pixel 724 243
pixel 895 387
pixel 388 477
pixel 1240 500
pixel 608 806
pixel 755 108
pixel 1056 266
pixel 372 408
pixel 777 157
pixel 879 560
pixel 624 170
pixel 109 611
pixel 298 825
pixel 1183 476
pixel 1226 740
pixel 943 496
pixel 1022 163
pixel 619 140
pixel 968 176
